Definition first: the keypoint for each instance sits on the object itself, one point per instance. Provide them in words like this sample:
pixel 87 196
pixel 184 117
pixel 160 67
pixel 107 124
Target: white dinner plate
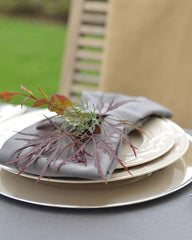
pixel 158 138
pixel 10 111
pixel 178 150
pixel 158 184
pixel 12 125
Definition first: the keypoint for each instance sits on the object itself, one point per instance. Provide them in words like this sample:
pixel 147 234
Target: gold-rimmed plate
pixel 158 184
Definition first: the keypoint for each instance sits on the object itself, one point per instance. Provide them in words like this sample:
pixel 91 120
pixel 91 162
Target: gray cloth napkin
pixel 137 110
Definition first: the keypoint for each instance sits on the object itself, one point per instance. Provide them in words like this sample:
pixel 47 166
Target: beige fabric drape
pixel 149 53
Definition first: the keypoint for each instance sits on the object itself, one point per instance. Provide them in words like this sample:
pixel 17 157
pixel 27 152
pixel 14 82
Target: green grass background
pixel 31 54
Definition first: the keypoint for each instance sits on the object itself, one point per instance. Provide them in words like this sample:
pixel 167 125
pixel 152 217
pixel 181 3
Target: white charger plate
pixel 158 184
pixel 178 150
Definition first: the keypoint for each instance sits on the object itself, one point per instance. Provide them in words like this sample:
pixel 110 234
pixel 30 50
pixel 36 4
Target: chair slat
pixel 86 66
pixel 85 78
pixel 95 6
pixel 92 30
pixel 85 44
pixel 72 39
pixel 74 98
pixel 77 88
pixel 94 18
pixel 90 42
pixel 85 54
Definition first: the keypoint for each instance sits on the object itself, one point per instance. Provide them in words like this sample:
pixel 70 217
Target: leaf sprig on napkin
pixel 78 125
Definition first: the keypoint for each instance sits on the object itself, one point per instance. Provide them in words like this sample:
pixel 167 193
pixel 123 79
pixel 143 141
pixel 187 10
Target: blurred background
pixel 32 43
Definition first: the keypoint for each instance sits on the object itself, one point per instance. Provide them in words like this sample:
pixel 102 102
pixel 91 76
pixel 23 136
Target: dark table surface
pixel 169 217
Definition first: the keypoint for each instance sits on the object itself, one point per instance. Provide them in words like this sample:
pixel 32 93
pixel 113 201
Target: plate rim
pixel 149 140
pixel 184 183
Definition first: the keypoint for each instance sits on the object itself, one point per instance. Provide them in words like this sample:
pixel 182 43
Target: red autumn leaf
pixel 40 102
pixel 42 92
pixel 27 90
pixel 60 100
pixel 54 109
pixel 7 96
pixel 58 103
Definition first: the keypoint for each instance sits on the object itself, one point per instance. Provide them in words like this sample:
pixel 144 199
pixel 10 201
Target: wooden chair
pixel 147 51
pixel 85 45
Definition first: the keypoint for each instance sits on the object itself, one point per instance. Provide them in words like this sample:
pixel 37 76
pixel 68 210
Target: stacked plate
pixel 162 165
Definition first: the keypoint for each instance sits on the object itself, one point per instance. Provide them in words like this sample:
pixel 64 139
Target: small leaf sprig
pixel 80 127
pixel 56 103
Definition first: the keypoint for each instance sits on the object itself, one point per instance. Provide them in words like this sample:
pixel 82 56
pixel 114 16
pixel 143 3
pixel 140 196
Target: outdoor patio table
pixel 167 218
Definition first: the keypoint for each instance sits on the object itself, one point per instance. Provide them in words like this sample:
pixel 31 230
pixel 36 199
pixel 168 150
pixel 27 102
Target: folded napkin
pixel 134 109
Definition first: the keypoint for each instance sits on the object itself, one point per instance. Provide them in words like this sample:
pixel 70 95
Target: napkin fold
pixel 134 109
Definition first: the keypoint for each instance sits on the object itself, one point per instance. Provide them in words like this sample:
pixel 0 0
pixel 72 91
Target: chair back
pixel 84 47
